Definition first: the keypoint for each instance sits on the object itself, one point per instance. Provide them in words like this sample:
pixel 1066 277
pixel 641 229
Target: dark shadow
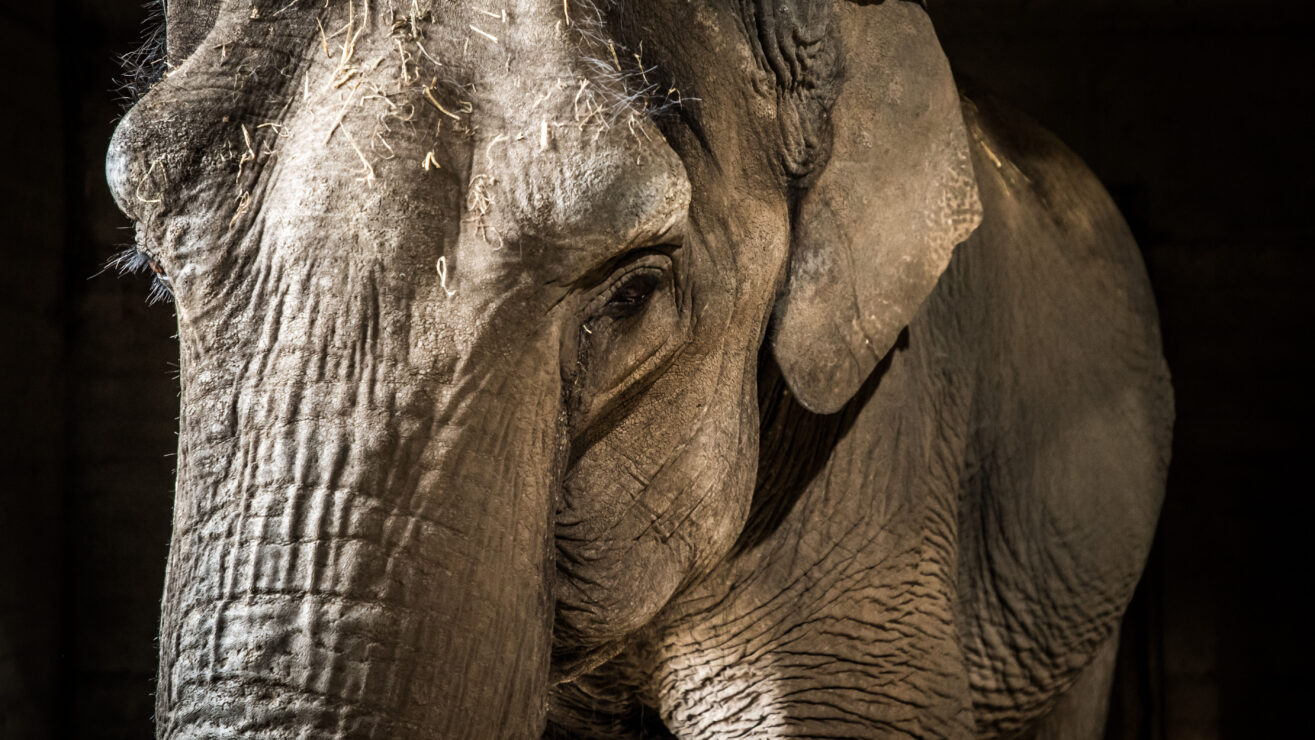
pixel 795 444
pixel 603 705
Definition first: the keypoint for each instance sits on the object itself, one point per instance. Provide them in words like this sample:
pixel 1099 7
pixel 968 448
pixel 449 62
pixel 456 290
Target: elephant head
pixel 473 301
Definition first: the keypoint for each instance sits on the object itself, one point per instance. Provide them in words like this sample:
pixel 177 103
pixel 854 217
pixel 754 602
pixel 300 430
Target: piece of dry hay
pixel 442 276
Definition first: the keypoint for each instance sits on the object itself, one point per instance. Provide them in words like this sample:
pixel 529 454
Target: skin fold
pixel 607 370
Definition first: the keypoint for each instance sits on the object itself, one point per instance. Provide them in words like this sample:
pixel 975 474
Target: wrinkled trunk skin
pixel 352 556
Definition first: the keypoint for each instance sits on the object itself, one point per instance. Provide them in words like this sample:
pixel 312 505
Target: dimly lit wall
pixel 87 402
pixel 1194 112
pixel 31 380
pixel 1197 114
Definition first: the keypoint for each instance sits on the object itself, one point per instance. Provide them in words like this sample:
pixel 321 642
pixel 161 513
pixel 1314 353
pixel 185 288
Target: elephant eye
pixel 630 330
pixel 633 293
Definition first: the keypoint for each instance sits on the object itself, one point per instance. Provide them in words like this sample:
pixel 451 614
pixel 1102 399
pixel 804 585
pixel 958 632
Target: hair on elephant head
pixel 539 374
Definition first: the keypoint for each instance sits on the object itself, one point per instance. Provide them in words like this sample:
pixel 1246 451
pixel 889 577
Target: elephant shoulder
pixel 1069 432
pixel 1044 201
pixel 1063 287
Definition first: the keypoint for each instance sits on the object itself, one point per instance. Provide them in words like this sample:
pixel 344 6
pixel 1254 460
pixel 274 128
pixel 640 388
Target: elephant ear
pixel 876 228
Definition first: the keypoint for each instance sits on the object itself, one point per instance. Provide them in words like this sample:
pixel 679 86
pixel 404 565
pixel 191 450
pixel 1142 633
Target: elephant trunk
pixel 350 562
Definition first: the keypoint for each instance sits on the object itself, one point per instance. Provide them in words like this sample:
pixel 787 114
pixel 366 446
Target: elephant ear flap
pixel 877 227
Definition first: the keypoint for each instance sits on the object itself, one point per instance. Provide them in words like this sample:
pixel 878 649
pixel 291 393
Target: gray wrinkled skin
pixel 634 370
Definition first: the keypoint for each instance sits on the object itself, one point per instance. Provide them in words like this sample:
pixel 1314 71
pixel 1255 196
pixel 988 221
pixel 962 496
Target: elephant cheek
pixel 644 520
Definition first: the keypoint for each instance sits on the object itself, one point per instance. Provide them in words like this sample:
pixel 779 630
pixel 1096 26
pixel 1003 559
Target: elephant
pixel 608 369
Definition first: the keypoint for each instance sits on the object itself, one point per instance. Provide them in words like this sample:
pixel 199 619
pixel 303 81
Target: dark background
pixel 1195 113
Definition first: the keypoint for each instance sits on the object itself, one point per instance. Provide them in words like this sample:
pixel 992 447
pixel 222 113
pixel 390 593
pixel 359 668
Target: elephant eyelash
pixel 626 295
pixel 133 261
pixel 633 291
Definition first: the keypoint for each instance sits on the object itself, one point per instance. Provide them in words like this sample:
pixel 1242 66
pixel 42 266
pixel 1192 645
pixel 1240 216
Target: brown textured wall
pixel 1194 112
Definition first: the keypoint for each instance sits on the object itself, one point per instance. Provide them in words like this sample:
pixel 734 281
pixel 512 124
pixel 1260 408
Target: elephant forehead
pixel 559 152
pixel 499 126
pixel 581 195
pixel 563 154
